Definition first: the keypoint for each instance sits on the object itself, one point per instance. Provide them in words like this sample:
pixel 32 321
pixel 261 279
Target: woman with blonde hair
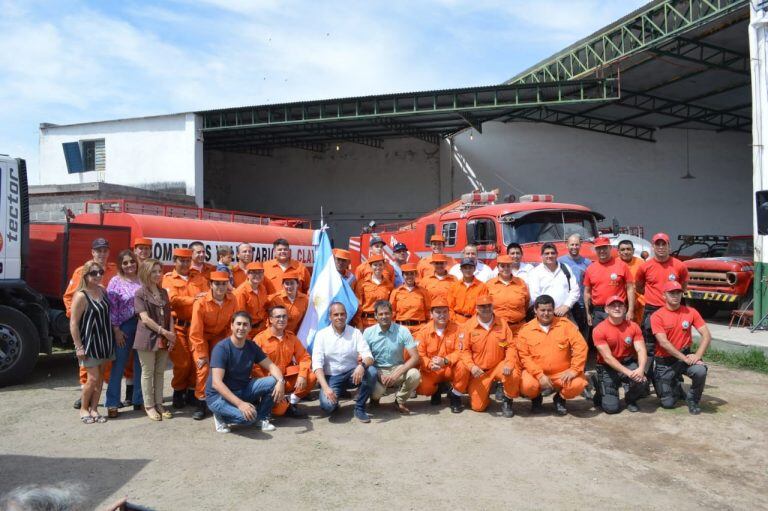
pixel 94 339
pixel 155 336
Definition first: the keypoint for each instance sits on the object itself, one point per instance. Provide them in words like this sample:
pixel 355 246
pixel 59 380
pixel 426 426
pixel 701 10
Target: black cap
pixel 99 243
pixel 468 262
pixel 376 239
pixel 399 246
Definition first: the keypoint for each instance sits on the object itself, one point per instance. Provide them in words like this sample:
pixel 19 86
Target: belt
pixel 367 315
pixel 624 361
pixel 670 360
pixel 462 314
pixel 410 322
pixel 183 324
pixel 651 308
pixel 598 308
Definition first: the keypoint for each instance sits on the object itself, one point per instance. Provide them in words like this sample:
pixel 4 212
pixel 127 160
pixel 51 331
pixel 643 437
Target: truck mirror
pixel 761 204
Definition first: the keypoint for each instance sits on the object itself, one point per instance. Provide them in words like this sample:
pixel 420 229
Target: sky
pixel 69 61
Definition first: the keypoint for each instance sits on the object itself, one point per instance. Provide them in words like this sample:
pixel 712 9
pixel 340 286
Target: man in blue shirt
pixel 387 341
pixel 577 266
pixel 230 392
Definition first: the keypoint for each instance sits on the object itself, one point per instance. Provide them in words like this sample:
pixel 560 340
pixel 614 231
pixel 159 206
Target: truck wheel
pixel 707 310
pixel 19 346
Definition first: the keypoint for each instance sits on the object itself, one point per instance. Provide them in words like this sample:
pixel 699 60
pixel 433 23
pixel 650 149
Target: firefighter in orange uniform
pixel 510 295
pixel 487 349
pixel 183 289
pixel 252 297
pixel 553 355
pixel 463 294
pixel 286 351
pixel 626 251
pixel 376 249
pixel 343 260
pixel 211 318
pixel 424 267
pixel 410 303
pixel 440 362
pixel 369 290
pixel 100 254
pixel 142 247
pixel 438 282
pixel 292 299
pixel 198 260
pixel 274 269
pixel 240 269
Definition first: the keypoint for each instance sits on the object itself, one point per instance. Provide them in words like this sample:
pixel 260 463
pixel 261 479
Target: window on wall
pixel 449 233
pixel 428 233
pixel 94 155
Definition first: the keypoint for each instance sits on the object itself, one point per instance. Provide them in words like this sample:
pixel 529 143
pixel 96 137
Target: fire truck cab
pixel 477 218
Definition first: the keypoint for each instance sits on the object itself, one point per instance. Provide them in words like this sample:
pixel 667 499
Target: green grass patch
pixel 752 359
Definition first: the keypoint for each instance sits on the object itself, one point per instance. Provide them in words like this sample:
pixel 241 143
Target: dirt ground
pixel 656 459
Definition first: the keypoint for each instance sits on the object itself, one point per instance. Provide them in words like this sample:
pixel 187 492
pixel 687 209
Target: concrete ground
pixel 656 459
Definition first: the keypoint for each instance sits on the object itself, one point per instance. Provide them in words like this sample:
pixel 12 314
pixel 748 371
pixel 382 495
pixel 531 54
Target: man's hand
pixel 330 395
pixel 198 295
pixel 545 382
pixel 119 338
pixel 301 384
pixel 357 374
pixel 278 393
pixel 248 410
pixel 568 375
pixel 589 319
pixel 507 371
pixel 202 362
pixel 476 372
pixel 630 315
pixel 692 359
pixel 637 375
pixel 562 310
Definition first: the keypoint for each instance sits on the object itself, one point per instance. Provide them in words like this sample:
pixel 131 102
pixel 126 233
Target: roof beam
pixel 404 129
pixel 267 143
pixel 709 55
pixel 650 27
pixel 716 117
pixel 345 135
pixel 553 116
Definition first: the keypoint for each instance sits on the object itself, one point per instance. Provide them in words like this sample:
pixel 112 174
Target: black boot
pixel 294 412
pixel 693 407
pixel 560 408
pixel 128 401
pixel 191 400
pixel 506 407
pixel 435 399
pixel 179 399
pixel 536 404
pixel 456 406
pixel 199 414
pixel 499 392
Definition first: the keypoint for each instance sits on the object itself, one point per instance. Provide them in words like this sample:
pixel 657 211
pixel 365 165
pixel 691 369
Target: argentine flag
pixel 326 287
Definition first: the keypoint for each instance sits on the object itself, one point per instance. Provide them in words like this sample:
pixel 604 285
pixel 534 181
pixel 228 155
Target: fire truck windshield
pixel 541 226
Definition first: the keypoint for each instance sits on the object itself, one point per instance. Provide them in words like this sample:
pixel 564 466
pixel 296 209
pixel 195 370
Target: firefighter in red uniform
pixel 410 303
pixel 604 278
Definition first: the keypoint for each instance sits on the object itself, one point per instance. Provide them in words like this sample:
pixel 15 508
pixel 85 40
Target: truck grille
pixel 708 278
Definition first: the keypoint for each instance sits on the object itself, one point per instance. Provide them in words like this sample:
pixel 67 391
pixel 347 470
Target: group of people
pixel 436 327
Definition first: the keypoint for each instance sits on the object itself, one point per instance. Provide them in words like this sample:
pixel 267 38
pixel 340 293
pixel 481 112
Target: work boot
pixel 199 414
pixel 294 412
pixel 506 407
pixel 536 404
pixel 435 399
pixel 632 407
pixel 693 407
pixel 128 401
pixel 560 408
pixel 178 399
pixel 597 397
pixel 456 406
pixel 191 400
pixel 499 392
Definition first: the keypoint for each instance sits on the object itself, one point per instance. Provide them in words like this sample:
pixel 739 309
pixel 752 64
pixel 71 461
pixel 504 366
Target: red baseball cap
pixel 615 298
pixel 672 285
pixel 602 242
pixel 660 236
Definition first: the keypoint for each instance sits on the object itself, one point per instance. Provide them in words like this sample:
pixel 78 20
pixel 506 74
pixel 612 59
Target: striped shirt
pixel 96 328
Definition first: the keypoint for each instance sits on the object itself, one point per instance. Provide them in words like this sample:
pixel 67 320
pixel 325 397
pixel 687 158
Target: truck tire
pixel 19 346
pixel 706 309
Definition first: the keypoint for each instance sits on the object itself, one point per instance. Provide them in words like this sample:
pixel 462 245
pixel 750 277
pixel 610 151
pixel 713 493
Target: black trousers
pixel 669 372
pixel 609 381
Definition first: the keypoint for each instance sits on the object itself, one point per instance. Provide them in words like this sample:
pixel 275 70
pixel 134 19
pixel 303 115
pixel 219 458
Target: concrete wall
pixel 138 151
pixel 354 185
pixel 639 183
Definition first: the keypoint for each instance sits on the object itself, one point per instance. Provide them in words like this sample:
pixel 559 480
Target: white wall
pixel 138 151
pixel 637 182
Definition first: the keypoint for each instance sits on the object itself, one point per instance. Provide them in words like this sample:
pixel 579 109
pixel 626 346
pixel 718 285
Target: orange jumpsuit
pixel 510 301
pixel 462 299
pixel 365 270
pixel 206 270
pixel 239 275
pixel 635 265
pixel 436 286
pixel 426 268
pixel 182 293
pixel 432 345
pixel 293 360
pixel 273 275
pixel 210 324
pixel 492 351
pixel 296 309
pixel 410 308
pixel 109 272
pixel 255 303
pixel 551 353
pixel 368 293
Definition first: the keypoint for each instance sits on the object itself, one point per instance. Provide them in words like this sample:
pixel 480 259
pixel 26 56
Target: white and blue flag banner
pixel 326 287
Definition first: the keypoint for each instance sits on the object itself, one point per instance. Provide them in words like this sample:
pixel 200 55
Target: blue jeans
pixel 343 381
pixel 258 392
pixel 118 366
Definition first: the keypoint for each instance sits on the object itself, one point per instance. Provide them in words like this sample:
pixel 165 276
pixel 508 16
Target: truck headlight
pixel 731 277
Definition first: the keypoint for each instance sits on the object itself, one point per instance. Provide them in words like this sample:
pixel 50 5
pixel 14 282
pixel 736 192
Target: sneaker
pixel 221 426
pixel 362 416
pixel 265 425
pixel 560 408
pixel 632 407
pixel 506 407
pixel 693 407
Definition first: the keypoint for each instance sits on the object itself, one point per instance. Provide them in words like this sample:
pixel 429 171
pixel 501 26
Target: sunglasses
pixel 96 273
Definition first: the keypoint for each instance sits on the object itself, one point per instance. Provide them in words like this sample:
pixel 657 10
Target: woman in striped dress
pixel 94 339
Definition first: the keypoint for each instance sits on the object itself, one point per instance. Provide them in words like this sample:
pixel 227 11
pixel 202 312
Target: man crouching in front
pixel 230 392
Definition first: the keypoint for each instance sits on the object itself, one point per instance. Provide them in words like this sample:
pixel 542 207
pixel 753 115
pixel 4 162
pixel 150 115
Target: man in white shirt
pixel 483 272
pixel 519 268
pixel 335 354
pixel 554 279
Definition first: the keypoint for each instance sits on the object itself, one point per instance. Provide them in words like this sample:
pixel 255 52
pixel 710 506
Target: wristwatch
pixel 281 381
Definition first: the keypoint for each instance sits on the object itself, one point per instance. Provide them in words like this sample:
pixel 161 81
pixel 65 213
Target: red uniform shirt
pixel 676 325
pixel 608 279
pixel 654 275
pixel 619 338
